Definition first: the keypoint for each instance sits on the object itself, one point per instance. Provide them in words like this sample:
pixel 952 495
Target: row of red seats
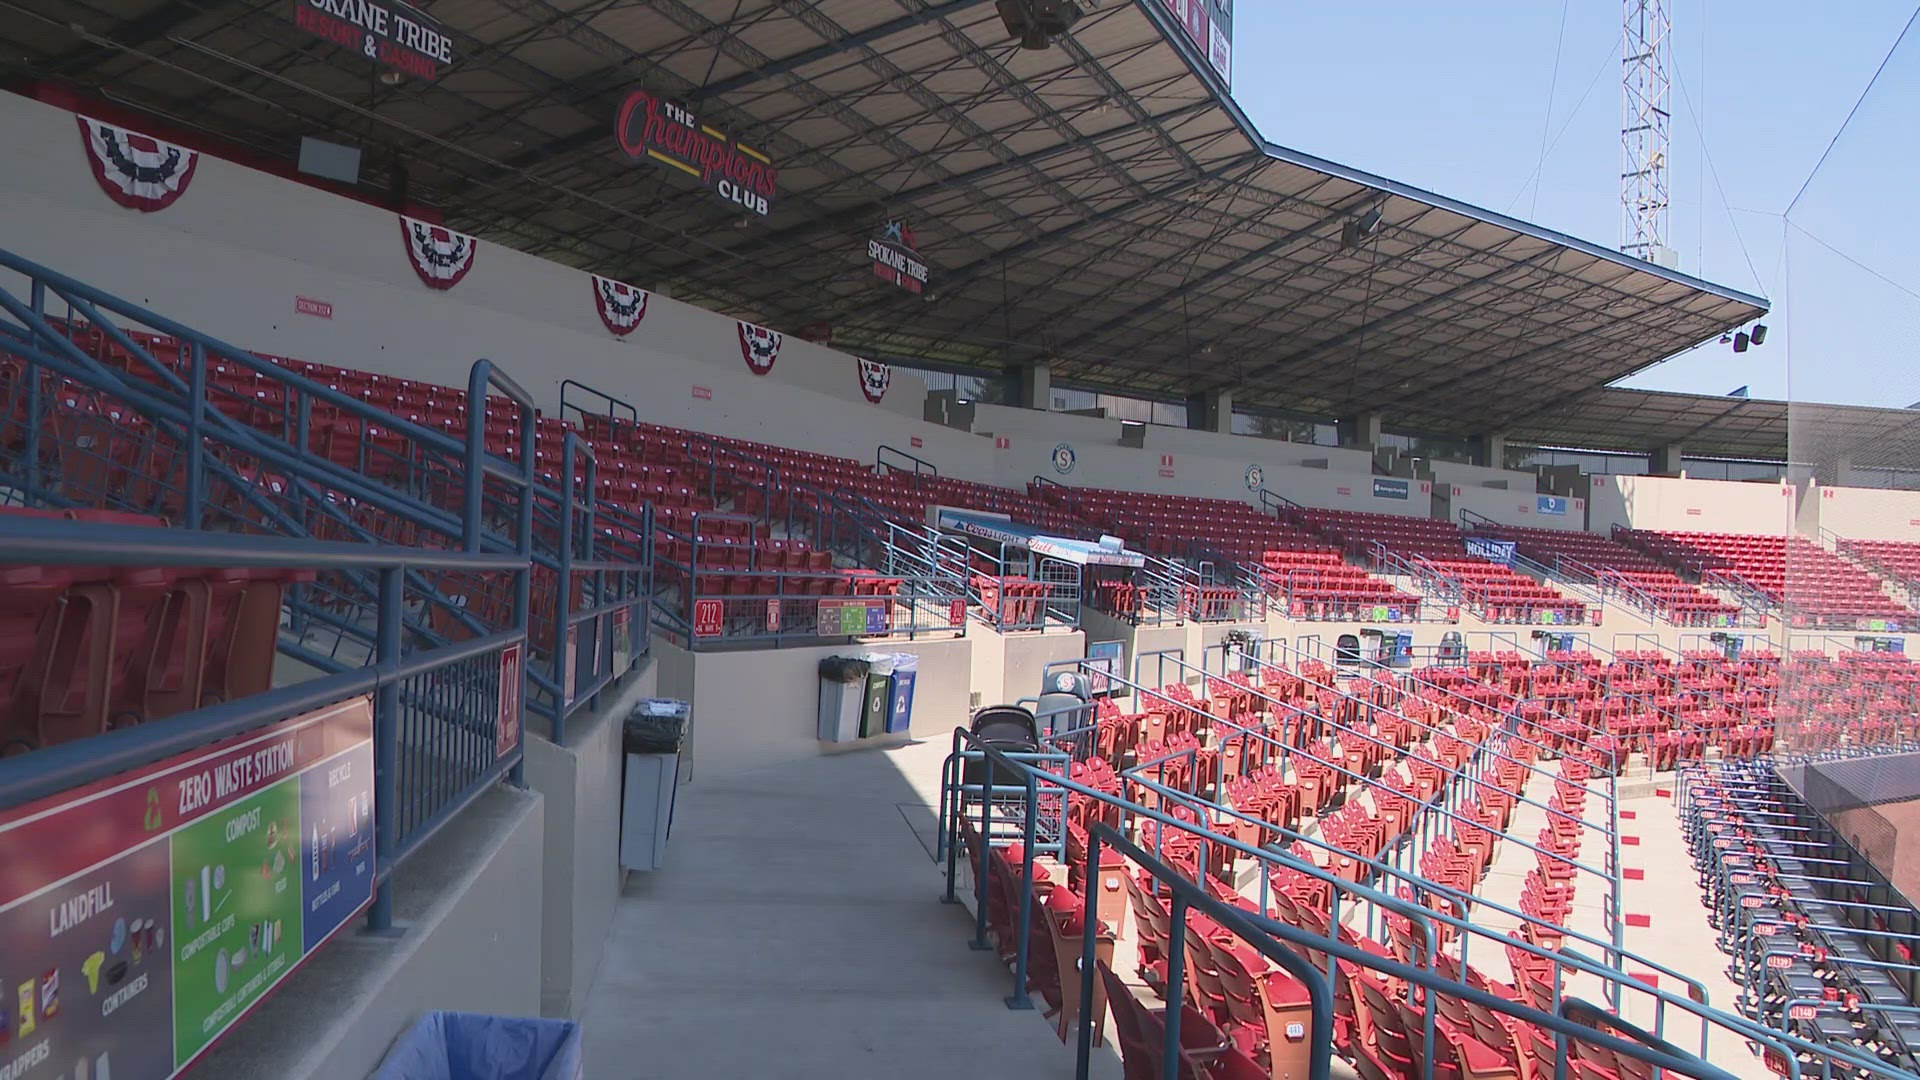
pixel 85 649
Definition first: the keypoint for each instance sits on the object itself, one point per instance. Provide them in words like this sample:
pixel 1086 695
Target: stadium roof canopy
pixel 1752 428
pixel 1101 205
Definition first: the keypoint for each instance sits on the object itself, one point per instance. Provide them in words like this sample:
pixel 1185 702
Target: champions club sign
pixel 389 31
pixel 649 127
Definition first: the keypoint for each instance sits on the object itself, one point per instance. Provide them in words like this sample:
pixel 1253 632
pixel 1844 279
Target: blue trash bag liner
pixel 474 1046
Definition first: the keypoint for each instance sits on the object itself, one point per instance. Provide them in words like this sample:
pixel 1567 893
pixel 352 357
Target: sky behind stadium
pixel 1455 98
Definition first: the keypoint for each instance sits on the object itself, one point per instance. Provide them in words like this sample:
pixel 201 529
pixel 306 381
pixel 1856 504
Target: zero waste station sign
pixel 144 914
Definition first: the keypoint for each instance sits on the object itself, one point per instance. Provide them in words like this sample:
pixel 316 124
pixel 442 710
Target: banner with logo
pixel 875 377
pixel 653 129
pixel 137 171
pixel 759 347
pixel 1389 489
pixel 145 914
pixel 392 33
pixel 1553 506
pixel 896 258
pixel 621 306
pixel 1500 551
pixel 439 255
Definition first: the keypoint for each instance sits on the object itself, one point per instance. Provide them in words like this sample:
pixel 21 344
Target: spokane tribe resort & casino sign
pixel 896 258
pixel 392 32
pixel 649 128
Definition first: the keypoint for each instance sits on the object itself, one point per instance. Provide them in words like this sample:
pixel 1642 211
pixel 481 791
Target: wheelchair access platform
pixel 795 933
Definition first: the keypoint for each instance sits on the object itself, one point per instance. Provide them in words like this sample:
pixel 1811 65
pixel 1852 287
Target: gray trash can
pixel 843 692
pixel 651 736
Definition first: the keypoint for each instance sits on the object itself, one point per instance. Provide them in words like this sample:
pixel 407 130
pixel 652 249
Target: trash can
pixel 879 703
pixel 651 737
pixel 474 1046
pixel 906 671
pixel 843 689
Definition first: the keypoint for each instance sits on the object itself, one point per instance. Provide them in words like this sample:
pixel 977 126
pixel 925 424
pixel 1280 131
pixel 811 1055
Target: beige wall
pixel 1686 505
pixel 1513 507
pixel 1454 472
pixel 1867 513
pixel 761 707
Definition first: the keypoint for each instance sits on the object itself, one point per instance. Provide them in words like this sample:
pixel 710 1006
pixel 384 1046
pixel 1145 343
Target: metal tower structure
pixel 1644 138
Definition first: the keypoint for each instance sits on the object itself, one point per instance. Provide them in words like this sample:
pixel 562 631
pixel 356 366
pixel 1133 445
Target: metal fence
pixel 447 717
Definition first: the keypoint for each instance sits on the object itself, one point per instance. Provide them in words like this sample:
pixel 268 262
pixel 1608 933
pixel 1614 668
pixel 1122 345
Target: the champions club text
pixel 650 127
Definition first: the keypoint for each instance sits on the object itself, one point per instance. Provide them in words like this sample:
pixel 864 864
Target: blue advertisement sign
pixel 336 846
pixel 1389 489
pixel 1553 505
pixel 1500 551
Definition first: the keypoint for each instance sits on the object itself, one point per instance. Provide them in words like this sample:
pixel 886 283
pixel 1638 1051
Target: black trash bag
pixel 844 669
pixel 656 726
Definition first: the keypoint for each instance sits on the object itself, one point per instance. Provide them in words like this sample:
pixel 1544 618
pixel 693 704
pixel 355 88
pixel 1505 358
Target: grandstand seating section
pixel 1585 555
pixel 1814 584
pixel 1896 560
pixel 1497 592
pixel 87 649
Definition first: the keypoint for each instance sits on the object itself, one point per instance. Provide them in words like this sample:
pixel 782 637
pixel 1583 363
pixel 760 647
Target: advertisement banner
pixel 896 258
pixel 1500 551
pixel 1552 505
pixel 1208 24
pixel 392 32
pixel 654 129
pixel 1103 662
pixel 1389 489
pixel 144 914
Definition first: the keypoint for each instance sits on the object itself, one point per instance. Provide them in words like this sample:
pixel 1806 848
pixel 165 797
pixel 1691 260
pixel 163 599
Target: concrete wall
pixel 1513 507
pixel 1680 504
pixel 466 907
pixel 255 242
pixel 1454 472
pixel 760 708
pixel 581 783
pixel 1867 513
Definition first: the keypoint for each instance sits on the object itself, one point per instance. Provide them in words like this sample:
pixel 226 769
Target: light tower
pixel 1644 139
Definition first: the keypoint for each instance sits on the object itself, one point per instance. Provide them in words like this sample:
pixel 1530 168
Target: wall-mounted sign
pixel 392 32
pixel 1255 477
pixel 1551 505
pixel 1064 459
pixel 875 377
pixel 857 617
pixel 146 913
pixel 1209 24
pixel 1389 489
pixel 1166 466
pixel 306 305
pixel 1500 551
pixel 703 393
pixel 658 130
pixel 708 618
pixel 896 258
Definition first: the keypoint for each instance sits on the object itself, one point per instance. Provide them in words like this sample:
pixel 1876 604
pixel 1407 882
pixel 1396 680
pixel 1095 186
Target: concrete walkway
pixel 796 933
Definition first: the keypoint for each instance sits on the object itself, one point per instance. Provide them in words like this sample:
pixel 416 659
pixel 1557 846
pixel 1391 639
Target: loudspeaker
pixel 1037 22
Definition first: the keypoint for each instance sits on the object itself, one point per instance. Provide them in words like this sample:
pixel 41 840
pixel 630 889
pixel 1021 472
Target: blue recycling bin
pixel 906 671
pixel 474 1046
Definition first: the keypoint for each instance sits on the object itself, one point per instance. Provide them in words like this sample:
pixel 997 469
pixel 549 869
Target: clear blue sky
pixel 1453 98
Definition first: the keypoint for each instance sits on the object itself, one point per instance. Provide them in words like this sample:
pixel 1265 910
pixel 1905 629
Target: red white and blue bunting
pixel 137 171
pixel 439 255
pixel 875 377
pixel 621 306
pixel 759 347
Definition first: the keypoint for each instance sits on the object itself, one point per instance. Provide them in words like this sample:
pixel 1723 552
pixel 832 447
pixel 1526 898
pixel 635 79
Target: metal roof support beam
pixel 832 48
pixel 1265 251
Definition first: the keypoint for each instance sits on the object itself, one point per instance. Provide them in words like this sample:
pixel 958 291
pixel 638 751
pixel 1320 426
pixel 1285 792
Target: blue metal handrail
pixel 41 773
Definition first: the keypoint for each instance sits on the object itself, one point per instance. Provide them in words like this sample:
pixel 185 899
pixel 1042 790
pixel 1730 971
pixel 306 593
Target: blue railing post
pixel 1089 960
pixel 979 942
pixel 1019 999
pixel 1176 983
pixel 386 742
pixel 196 437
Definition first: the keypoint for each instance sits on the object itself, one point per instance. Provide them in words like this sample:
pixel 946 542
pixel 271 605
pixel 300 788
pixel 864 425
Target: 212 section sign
pixel 144 914
pixel 392 32
pixel 649 127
